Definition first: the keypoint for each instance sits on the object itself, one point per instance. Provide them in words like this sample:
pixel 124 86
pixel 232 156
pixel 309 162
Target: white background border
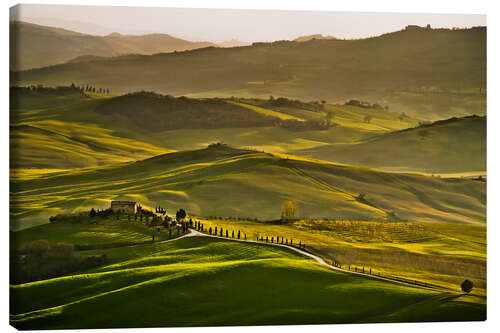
pixel 490 8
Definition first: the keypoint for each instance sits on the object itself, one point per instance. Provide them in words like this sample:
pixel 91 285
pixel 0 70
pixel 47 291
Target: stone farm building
pixel 127 207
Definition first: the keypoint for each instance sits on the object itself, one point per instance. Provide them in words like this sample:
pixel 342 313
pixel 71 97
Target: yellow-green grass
pixel 24 174
pixel 450 146
pixel 75 135
pixel 268 112
pixel 270 139
pixel 442 254
pixel 347 116
pixel 65 145
pixel 90 232
pixel 381 120
pixel 199 281
pixel 224 181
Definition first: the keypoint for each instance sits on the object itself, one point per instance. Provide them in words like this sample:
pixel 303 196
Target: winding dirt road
pixel 318 259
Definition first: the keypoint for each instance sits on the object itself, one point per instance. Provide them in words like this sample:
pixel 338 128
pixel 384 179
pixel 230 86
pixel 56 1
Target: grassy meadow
pixel 441 254
pixel 258 182
pixel 91 129
pixel 432 148
pixel 173 283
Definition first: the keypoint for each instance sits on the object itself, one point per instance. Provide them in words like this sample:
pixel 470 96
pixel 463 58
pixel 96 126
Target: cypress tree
pixel 238 234
pixel 232 234
pixel 210 230
pixel 227 234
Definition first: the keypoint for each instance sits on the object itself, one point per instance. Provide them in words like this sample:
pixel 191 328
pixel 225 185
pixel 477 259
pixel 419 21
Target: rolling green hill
pixel 34 46
pixel 427 73
pixel 229 283
pixel 64 128
pixel 449 146
pixel 223 181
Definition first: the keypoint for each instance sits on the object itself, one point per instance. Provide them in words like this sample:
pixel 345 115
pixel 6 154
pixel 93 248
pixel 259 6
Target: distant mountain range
pixel 34 46
pixel 427 73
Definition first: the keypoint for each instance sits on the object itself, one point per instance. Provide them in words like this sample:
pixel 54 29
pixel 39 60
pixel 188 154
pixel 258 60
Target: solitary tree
pixel 467 286
pixel 288 210
pixel 92 212
pixel 181 213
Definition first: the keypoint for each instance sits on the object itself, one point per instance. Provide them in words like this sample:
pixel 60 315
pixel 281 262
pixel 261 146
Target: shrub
pixel 467 286
pixel 38 247
pixel 62 249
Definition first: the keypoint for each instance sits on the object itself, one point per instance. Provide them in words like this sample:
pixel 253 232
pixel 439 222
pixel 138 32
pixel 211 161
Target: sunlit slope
pixel 222 181
pixel 456 145
pixel 427 73
pixel 230 283
pixel 54 129
pixel 66 145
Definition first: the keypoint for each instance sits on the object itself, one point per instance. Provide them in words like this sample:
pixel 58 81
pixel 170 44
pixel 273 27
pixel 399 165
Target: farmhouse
pixel 128 207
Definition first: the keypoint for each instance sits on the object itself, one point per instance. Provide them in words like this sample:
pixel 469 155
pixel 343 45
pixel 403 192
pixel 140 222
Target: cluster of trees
pixel 295 103
pixel 233 218
pixel 39 260
pixel 93 89
pixel 219 231
pixel 167 111
pixel 40 89
pixel 281 240
pixel 161 210
pixel 367 105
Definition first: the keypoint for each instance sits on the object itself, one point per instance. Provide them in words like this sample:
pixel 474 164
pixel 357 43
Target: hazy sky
pixel 225 24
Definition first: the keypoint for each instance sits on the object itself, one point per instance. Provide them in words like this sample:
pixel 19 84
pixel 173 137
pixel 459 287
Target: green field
pixel 95 231
pixel 434 148
pixel 199 180
pixel 205 282
pixel 442 254
pixel 96 130
pixel 367 152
